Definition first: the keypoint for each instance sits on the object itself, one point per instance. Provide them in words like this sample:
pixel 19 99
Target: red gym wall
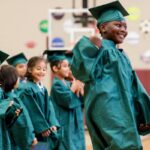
pixel 144 76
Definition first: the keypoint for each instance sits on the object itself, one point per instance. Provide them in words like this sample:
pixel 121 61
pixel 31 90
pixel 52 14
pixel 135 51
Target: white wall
pixel 19 21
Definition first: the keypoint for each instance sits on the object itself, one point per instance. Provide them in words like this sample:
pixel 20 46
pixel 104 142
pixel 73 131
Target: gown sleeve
pixel 64 96
pixel 84 56
pixel 24 126
pixel 4 105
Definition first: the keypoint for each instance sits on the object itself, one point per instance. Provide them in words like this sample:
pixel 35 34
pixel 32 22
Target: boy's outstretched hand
pixel 96 41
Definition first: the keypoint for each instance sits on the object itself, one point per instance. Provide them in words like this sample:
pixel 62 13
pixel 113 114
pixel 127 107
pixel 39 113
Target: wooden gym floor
pixel 145 141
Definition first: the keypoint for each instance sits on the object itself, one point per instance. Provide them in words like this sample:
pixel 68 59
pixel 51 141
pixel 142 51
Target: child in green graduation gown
pixel 9 112
pixel 20 131
pixel 4 106
pixel 3 57
pixel 66 103
pixel 19 61
pixel 6 116
pixel 36 99
pixel 116 104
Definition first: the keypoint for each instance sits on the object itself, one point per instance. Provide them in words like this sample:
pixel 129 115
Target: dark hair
pixel 55 63
pixel 8 77
pixel 31 64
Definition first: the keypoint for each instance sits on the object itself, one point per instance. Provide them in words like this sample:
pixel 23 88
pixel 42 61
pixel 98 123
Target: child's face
pixel 115 31
pixel 64 69
pixel 21 69
pixel 39 71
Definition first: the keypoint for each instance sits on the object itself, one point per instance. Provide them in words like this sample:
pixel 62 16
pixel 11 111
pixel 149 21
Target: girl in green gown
pixel 35 98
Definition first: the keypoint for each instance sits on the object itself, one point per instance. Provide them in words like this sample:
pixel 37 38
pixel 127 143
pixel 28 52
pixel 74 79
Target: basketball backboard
pixel 65 28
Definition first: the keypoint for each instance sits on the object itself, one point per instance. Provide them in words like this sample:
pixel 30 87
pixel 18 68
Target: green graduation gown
pixel 21 132
pixel 41 112
pixel 5 143
pixel 112 95
pixel 69 114
pixel 20 87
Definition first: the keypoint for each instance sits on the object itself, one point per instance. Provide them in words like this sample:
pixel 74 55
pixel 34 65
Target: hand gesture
pixel 46 133
pixel 96 41
pixel 53 128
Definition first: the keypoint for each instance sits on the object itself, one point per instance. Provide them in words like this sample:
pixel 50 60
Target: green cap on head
pixel 69 55
pixel 55 55
pixel 113 11
pixel 17 59
pixel 3 57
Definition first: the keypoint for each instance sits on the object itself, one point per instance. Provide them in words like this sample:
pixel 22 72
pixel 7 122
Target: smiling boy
pixel 116 104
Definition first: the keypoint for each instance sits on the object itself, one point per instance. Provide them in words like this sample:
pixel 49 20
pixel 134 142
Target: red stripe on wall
pixel 144 76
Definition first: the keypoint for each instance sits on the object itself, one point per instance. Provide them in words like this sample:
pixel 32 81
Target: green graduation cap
pixel 3 57
pixel 113 11
pixel 69 55
pixel 17 59
pixel 55 55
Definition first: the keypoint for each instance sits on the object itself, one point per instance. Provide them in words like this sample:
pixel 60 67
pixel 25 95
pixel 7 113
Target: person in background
pixel 116 104
pixel 20 128
pixel 4 107
pixel 19 61
pixel 68 106
pixel 35 98
pixel 9 112
pixel 3 57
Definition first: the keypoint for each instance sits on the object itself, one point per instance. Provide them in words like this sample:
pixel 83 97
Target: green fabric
pixel 113 11
pixel 111 15
pixel 55 55
pixel 69 114
pixel 22 130
pixel 20 87
pixel 7 112
pixel 83 70
pixel 17 59
pixel 5 143
pixel 110 92
pixel 10 115
pixel 4 135
pixel 4 105
pixel 3 56
pixel 69 56
pixel 40 109
pixel 1 94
